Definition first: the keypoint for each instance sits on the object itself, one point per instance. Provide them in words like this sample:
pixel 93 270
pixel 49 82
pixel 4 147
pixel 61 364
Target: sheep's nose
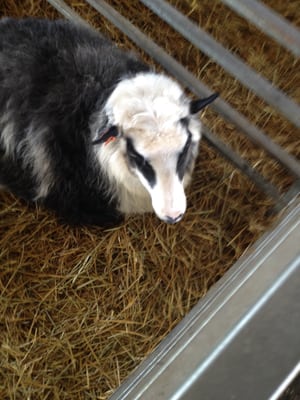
pixel 173 220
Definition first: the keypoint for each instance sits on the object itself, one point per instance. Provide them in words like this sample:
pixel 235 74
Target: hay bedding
pixel 81 307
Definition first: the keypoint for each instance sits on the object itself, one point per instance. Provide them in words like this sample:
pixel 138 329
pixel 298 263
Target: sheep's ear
pixel 198 105
pixel 107 135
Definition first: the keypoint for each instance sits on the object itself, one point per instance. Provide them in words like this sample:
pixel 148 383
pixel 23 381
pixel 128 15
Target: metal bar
pixel 290 379
pixel 231 63
pixel 231 341
pixel 240 163
pixel 68 13
pixel 269 22
pixel 197 87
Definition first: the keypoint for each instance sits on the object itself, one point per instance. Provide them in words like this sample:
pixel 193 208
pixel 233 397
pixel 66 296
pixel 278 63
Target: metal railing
pixel 269 22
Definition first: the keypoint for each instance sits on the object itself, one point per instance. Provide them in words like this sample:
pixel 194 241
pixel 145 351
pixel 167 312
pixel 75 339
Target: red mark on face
pixel 109 140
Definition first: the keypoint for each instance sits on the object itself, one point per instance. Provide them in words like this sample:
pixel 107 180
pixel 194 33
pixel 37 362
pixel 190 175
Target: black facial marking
pixel 184 122
pixel 138 161
pixel 183 158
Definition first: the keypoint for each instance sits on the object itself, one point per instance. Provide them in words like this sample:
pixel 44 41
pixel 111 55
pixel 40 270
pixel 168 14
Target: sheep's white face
pixel 155 153
pixel 163 161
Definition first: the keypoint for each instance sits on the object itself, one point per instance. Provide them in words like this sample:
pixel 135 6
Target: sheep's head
pixel 158 134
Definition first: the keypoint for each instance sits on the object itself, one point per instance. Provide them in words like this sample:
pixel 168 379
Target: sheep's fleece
pixel 64 88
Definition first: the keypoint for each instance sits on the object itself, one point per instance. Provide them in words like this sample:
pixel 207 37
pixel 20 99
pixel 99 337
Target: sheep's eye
pixel 140 163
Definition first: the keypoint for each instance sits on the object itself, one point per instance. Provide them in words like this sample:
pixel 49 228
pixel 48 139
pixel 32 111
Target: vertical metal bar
pixel 231 63
pixel 269 22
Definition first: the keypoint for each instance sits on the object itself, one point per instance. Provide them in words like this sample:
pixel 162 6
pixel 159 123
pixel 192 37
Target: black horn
pixel 198 105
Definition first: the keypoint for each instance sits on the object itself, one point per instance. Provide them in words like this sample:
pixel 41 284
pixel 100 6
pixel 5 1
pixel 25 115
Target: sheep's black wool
pixel 88 130
pixel 53 77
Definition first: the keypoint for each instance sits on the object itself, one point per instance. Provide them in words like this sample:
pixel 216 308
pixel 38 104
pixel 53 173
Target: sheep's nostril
pixel 172 220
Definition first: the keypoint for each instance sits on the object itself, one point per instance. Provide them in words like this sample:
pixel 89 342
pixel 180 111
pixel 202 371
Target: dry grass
pixel 81 307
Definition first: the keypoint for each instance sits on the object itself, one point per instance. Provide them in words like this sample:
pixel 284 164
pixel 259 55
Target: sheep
pixel 88 130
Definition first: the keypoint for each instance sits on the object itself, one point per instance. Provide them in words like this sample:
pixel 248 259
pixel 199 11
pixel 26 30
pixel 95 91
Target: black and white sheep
pixel 87 129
